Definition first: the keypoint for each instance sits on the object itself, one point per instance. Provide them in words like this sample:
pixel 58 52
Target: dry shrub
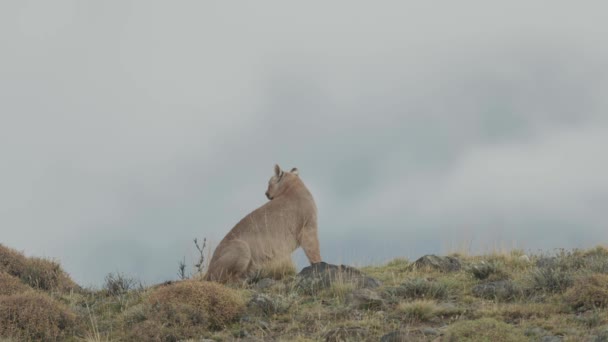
pixel 12 261
pixel 182 310
pixel 588 293
pixel 10 285
pixel 221 304
pixel 34 316
pixel 39 273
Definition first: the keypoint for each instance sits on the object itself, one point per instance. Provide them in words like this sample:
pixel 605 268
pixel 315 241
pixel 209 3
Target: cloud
pixel 128 129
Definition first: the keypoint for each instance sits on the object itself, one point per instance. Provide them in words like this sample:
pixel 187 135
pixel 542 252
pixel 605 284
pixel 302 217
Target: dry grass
pixel 588 293
pixel 278 269
pixel 419 310
pixel 34 316
pixel 10 285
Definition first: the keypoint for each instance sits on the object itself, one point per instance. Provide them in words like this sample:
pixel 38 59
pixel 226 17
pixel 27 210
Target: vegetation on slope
pixel 497 297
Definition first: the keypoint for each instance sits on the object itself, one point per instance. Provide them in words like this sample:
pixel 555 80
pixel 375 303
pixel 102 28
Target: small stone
pixel 346 334
pixel 365 299
pixel 551 339
pixel 440 263
pixel 265 283
pixel 535 331
pixel 430 332
pixel 396 336
pixel 263 304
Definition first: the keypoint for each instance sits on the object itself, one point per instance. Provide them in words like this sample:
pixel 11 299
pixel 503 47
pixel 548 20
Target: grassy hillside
pixel 558 296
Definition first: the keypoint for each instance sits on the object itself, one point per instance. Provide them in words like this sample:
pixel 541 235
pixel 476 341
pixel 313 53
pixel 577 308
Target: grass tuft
pixel 483 330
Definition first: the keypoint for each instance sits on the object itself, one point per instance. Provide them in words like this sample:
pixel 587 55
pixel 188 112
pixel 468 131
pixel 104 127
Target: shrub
pixel 551 279
pixel 117 284
pixel 39 273
pixel 183 310
pixel 10 285
pixel 503 290
pixel 34 316
pixel 420 288
pixel 588 293
pixel 483 330
pixel 11 261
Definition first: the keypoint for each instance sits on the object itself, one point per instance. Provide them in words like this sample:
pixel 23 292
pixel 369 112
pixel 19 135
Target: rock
pixel 322 275
pixel 502 289
pixel 264 283
pixel 346 334
pixel 535 332
pixel 430 332
pixel 441 263
pixel 365 299
pixel 551 339
pixel 264 304
pixel 397 336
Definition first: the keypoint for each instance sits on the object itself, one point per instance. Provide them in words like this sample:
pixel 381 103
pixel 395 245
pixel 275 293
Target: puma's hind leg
pixel 232 264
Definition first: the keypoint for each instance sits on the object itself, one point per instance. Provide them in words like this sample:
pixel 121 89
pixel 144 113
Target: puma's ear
pixel 277 170
pixel 295 171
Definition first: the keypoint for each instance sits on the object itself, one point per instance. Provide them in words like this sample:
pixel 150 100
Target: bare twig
pixel 200 265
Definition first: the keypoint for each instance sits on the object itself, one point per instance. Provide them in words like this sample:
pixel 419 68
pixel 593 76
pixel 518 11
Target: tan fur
pixel 271 232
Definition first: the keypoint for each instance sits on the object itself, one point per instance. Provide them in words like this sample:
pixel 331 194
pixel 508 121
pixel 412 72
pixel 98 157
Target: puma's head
pixel 279 180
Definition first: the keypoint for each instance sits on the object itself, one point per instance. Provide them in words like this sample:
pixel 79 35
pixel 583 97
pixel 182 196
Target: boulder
pixel 322 275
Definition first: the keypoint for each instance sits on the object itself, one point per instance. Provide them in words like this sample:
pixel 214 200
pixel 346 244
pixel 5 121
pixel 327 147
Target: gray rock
pixel 502 289
pixel 265 283
pixel 346 334
pixel 430 332
pixel 266 305
pixel 365 299
pixel 322 275
pixel 397 336
pixel 535 331
pixel 551 339
pixel 441 263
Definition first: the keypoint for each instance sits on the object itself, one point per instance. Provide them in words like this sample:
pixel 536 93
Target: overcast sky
pixel 127 128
